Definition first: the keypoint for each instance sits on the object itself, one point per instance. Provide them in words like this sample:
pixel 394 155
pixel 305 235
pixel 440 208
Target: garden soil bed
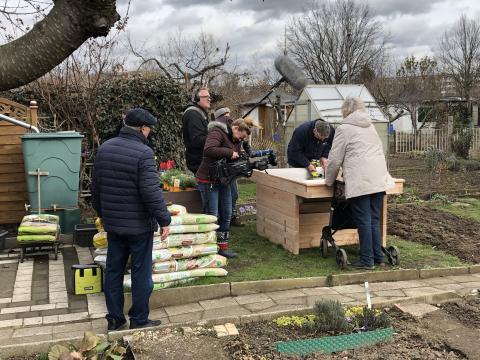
pixel 465 311
pixel 413 170
pixel 412 339
pixel 455 235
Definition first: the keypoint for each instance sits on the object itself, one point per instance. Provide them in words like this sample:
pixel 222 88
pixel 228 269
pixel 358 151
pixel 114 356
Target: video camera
pixel 224 171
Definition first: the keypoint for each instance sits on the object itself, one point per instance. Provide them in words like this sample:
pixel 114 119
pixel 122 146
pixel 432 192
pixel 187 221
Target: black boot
pixel 222 241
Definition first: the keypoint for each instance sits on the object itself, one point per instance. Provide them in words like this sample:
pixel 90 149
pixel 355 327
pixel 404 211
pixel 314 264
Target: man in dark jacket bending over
pixel 126 195
pixel 194 128
pixel 311 140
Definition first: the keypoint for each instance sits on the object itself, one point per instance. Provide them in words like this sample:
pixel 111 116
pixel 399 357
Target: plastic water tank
pixel 58 154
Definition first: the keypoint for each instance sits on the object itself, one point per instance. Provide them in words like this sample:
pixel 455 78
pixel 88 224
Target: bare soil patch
pixel 413 170
pixel 467 311
pixel 448 232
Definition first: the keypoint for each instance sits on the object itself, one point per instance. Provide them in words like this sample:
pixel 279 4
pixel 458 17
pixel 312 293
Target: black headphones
pixel 196 96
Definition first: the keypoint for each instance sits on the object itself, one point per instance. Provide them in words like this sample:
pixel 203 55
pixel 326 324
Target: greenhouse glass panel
pixel 323 93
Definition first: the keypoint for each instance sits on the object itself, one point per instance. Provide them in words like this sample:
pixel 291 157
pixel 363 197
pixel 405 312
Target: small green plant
pixel 444 199
pixel 471 165
pixel 296 321
pixel 92 348
pixel 43 356
pixel 452 163
pixel 409 195
pixel 462 142
pixel 435 164
pixel 365 319
pixel 330 316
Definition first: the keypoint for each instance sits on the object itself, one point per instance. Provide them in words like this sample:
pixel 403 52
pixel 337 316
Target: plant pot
pixel 331 344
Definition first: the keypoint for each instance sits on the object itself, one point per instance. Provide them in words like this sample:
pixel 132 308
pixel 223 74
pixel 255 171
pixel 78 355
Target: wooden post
pixel 33 113
pixel 449 133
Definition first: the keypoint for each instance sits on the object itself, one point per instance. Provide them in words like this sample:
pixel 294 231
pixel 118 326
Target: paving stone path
pixel 36 304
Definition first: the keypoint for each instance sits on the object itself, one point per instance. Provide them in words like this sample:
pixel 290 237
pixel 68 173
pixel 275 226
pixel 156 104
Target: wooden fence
pixel 410 141
pixel 13 192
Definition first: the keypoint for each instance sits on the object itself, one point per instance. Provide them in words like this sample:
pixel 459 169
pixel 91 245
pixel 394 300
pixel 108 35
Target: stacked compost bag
pixel 38 228
pixel 189 252
pixel 101 245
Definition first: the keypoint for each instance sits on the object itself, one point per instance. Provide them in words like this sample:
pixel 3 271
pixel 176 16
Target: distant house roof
pixel 285 98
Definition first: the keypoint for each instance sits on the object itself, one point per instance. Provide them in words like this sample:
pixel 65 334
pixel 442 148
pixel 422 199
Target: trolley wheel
pixel 324 247
pixel 341 258
pixel 394 255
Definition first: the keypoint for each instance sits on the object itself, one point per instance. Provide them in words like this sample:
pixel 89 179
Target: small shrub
pixel 471 165
pixel 372 319
pixel 462 143
pixel 330 316
pixel 410 195
pixel 434 158
pixel 365 319
pixel 296 321
pixel 452 163
pixel 444 199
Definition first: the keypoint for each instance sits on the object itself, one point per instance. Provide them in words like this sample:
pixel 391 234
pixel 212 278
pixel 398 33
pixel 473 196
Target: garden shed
pixel 326 101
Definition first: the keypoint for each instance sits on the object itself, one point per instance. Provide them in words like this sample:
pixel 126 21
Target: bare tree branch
pixel 187 60
pixel 335 40
pixel 460 55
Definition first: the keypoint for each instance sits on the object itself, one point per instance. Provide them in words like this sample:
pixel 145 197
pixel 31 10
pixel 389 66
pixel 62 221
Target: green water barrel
pixel 57 154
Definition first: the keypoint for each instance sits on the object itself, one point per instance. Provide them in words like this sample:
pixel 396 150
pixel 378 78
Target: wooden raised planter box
pixel 292 211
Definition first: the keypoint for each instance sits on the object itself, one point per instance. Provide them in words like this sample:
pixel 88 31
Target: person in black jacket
pixel 311 140
pixel 194 128
pixel 126 195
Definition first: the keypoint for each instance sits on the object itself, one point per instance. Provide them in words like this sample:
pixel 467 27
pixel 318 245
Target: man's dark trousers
pixel 140 249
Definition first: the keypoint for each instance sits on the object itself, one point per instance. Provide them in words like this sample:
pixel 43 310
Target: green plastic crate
pixel 58 154
pixel 331 344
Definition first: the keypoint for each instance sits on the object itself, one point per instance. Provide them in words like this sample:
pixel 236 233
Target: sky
pixel 255 28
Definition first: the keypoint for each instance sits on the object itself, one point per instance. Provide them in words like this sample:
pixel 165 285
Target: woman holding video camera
pixel 221 143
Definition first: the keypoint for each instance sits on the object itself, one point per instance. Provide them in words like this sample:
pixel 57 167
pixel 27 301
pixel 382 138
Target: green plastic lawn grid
pixel 330 344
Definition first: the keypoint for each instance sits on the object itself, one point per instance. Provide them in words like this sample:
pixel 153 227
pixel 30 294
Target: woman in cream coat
pixel 357 148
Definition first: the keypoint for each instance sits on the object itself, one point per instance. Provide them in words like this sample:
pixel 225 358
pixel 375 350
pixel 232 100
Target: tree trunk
pixel 68 25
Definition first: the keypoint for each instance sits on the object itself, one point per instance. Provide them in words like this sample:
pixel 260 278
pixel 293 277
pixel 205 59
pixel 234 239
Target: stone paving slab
pixel 412 292
pixel 218 303
pixel 348 289
pixel 319 291
pixel 183 309
pixel 462 278
pixel 390 293
pixel 417 310
pixel 251 299
pixel 284 294
pixel 263 305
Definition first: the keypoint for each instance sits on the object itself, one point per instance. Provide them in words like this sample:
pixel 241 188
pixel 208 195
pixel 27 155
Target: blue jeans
pixel 234 192
pixel 119 249
pixel 217 201
pixel 366 215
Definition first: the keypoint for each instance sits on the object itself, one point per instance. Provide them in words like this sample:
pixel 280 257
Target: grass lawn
pixel 259 259
pixel 247 192
pixel 467 207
